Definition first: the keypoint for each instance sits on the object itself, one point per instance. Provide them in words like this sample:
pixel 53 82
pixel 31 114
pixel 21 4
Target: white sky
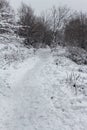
pixel 41 5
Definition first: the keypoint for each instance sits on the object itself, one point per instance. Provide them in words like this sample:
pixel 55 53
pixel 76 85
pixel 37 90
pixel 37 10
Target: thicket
pixel 57 26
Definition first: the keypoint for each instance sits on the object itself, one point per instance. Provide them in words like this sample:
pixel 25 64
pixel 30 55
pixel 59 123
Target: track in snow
pixel 33 111
pixel 27 108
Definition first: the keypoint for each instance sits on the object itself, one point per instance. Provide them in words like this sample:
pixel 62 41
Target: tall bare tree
pixel 58 18
pixel 26 21
pixel 34 29
pixel 76 30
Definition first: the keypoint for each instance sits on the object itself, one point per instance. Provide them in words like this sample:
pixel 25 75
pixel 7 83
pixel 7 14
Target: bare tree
pixel 26 21
pixel 76 30
pixel 58 18
pixel 34 29
pixel 41 33
pixel 26 15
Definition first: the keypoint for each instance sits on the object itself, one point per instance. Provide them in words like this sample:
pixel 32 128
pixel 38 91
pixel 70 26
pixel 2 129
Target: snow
pixel 37 93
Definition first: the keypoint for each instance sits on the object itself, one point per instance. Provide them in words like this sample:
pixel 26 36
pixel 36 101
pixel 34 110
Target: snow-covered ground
pixel 41 91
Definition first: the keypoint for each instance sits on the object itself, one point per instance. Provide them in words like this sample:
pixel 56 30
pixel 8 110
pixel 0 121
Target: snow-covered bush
pixel 12 53
pixel 78 55
pixel 7 18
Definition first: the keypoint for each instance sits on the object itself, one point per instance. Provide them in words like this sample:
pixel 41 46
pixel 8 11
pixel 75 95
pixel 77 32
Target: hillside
pixel 42 90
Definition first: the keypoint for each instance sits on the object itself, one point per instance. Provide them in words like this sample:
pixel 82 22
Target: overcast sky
pixel 41 5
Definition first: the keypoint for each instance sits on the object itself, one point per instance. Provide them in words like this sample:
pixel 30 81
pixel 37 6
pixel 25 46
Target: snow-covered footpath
pixel 43 91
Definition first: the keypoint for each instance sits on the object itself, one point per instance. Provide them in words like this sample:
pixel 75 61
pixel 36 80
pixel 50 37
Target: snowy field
pixel 41 90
